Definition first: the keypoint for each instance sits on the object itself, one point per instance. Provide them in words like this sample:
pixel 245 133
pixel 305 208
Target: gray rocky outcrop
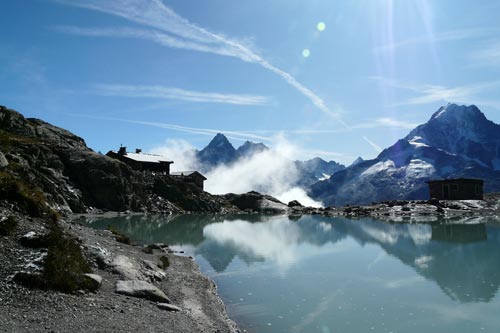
pixel 257 202
pixel 141 289
pixel 94 280
pixel 168 307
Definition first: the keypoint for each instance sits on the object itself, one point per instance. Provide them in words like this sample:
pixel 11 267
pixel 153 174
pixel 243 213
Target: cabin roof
pixel 187 173
pixel 142 157
pixel 453 180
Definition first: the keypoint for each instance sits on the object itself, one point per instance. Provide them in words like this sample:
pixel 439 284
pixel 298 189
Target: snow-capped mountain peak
pixel 457 141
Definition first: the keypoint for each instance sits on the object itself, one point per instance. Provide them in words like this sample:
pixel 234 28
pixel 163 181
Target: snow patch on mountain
pixel 379 167
pixel 324 177
pixel 418 168
pixel 418 141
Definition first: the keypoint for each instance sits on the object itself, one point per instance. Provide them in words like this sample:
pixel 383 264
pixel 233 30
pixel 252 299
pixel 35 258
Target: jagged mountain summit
pixel 218 151
pixel 461 130
pixel 250 148
pixel 316 169
pixel 457 141
pixel 221 152
pixel 357 161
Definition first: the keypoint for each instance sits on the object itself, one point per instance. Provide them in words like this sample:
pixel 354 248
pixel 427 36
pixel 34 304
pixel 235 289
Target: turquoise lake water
pixel 318 274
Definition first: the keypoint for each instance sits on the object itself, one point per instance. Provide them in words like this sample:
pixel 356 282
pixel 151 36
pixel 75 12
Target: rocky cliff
pixel 42 165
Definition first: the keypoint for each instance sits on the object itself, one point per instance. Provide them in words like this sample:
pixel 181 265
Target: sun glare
pixel 306 53
pixel 321 26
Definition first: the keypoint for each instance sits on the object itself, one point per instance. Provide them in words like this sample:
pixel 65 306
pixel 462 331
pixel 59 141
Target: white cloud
pixel 176 93
pixel 375 146
pixel 488 55
pixel 236 135
pixel 179 151
pixel 176 31
pixel 271 172
pixel 428 93
pixel 387 122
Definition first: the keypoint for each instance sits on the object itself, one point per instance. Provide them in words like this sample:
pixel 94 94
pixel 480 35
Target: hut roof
pixel 450 180
pixel 141 157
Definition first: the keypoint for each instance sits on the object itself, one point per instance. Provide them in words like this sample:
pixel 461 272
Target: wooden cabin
pixel 193 177
pixel 456 189
pixel 142 161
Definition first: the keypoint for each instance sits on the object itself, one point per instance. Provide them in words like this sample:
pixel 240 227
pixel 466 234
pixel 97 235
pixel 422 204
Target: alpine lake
pixel 319 274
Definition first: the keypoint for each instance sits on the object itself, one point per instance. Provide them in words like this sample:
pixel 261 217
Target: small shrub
pixel 119 236
pixel 65 264
pixel 164 262
pixel 8 226
pixel 63 267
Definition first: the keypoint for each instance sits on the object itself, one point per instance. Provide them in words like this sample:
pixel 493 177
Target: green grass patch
pixel 8 226
pixel 164 262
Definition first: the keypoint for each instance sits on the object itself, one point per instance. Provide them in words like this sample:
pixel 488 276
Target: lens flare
pixel 306 53
pixel 321 26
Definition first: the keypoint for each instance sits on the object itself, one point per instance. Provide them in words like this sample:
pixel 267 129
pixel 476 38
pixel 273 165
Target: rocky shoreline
pixel 182 299
pixel 151 288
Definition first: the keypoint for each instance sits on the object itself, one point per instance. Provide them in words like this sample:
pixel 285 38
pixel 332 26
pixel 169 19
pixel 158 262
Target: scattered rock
pixel 141 289
pixel 168 307
pixel 34 240
pixel 94 279
pixel 295 203
pixel 126 267
pixel 101 256
pixel 3 161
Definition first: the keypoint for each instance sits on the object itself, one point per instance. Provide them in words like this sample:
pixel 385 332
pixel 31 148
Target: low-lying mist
pixel 270 172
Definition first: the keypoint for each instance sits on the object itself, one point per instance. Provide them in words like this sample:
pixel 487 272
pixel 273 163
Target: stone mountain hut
pixel 142 161
pixel 456 189
pixel 193 177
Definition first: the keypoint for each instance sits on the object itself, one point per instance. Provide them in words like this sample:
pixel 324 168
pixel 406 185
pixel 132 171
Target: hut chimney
pixel 122 151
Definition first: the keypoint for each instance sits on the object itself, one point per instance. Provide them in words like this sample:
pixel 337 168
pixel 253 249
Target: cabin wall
pixel 458 190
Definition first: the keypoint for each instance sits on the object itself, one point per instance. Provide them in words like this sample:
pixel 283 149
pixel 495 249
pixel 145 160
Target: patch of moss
pixel 9 139
pixel 164 262
pixel 30 199
pixel 119 236
pixel 8 226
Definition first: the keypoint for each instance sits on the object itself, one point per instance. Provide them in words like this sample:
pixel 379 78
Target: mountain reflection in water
pixel 463 259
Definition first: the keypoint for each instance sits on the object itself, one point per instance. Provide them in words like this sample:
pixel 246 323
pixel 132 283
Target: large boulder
pixel 141 289
pixel 256 202
pixel 3 160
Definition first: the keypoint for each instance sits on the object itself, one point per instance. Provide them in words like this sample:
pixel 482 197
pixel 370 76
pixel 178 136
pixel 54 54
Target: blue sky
pixel 140 72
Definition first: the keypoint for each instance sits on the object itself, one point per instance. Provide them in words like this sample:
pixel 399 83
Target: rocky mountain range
pixel 221 152
pixel 457 141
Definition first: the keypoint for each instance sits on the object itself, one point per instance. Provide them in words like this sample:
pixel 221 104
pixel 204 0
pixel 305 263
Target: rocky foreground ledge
pixel 133 288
